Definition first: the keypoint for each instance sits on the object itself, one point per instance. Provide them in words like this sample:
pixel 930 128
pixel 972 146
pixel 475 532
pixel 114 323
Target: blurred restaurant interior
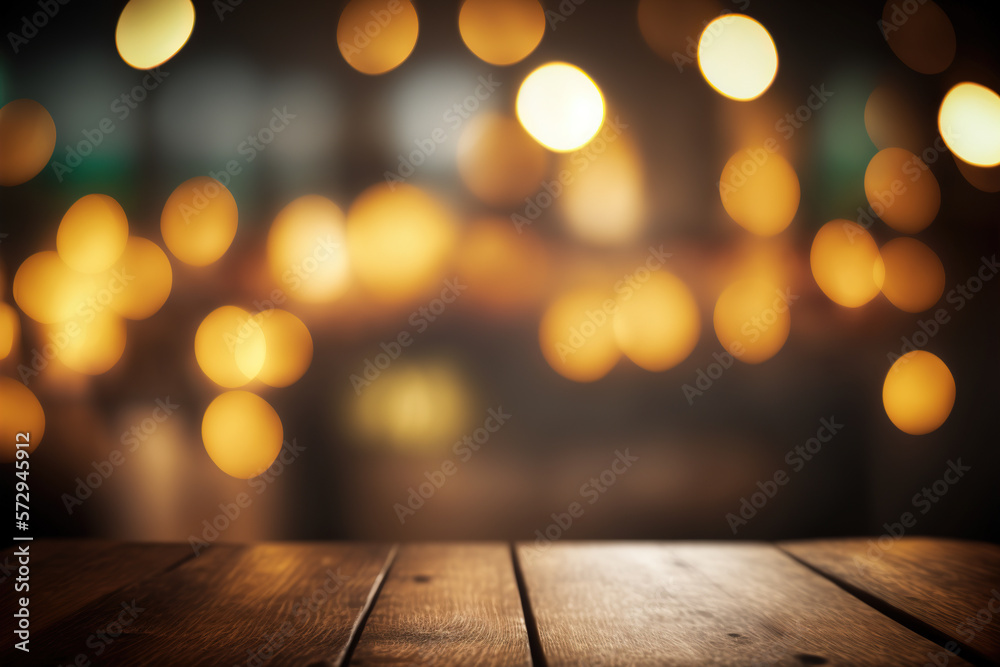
pixel 393 270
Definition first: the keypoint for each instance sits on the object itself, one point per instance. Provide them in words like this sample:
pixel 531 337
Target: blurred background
pixel 462 285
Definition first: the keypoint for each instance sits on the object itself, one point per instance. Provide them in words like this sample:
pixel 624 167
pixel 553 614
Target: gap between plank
pixel 534 638
pixel 366 610
pixel 905 619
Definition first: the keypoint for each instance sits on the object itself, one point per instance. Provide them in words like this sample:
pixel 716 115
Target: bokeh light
pixel 501 32
pixel 969 121
pixel 10 329
pixel 919 392
pixel 420 408
pixel 27 139
pixel 737 57
pixel 658 326
pixel 505 270
pixel 498 161
pixel 892 120
pixel 307 251
pixel 91 346
pixel 21 413
pixel 577 335
pixel 669 27
pixel 398 238
pixel 760 191
pixel 911 275
pixel 376 36
pixel 902 190
pixel 151 32
pixel 230 346
pixel 560 106
pixel 605 201
pixel 920 34
pixel 47 290
pixel 199 221
pixel 92 234
pixel 843 258
pixel 289 347
pixel 242 433
pixel 147 282
pixel 752 319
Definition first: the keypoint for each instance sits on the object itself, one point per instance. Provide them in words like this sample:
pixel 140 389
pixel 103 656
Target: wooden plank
pixel 951 586
pixel 279 604
pixel 447 604
pixel 66 575
pixel 699 604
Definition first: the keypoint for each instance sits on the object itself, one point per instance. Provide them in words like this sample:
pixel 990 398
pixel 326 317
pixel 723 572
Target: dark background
pixel 695 461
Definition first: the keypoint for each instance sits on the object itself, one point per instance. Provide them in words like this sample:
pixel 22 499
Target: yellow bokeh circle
pixel 760 191
pixel 230 346
pixel 737 57
pixel 912 275
pixel 145 272
pixel 27 139
pixel 92 234
pixel 919 392
pixel 560 106
pixel 577 335
pixel 48 291
pixel 151 32
pixel 289 347
pixel 501 32
pixel 843 260
pixel 902 190
pixel 307 251
pixel 21 413
pixel 242 433
pixel 752 319
pixel 375 36
pixel 969 122
pixel 658 326
pixel 90 346
pixel 199 221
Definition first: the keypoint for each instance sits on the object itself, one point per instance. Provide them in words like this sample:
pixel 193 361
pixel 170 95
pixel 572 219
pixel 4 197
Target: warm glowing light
pixel 289 347
pixel 398 238
pixel 92 234
pixel 902 190
pixel 230 346
pixel 760 191
pixel 375 36
pixel 501 32
pixel 912 275
pixel 560 106
pixel 420 408
pixel 577 336
pixel 27 139
pixel 920 34
pixel 669 27
pixel 306 250
pixel 969 121
pixel 605 202
pixel 48 291
pixel 919 392
pixel 145 273
pixel 843 260
pixel 504 270
pixel 90 347
pixel 151 32
pixel 199 221
pixel 498 161
pixel 752 319
pixel 21 413
pixel 242 433
pixel 10 329
pixel 737 57
pixel 659 325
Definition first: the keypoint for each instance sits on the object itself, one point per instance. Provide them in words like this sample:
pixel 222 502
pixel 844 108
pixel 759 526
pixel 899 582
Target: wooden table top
pixel 837 602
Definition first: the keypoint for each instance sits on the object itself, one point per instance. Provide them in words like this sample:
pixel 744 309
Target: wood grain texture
pixel 952 586
pixel 66 575
pixel 279 604
pixel 702 604
pixel 447 604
